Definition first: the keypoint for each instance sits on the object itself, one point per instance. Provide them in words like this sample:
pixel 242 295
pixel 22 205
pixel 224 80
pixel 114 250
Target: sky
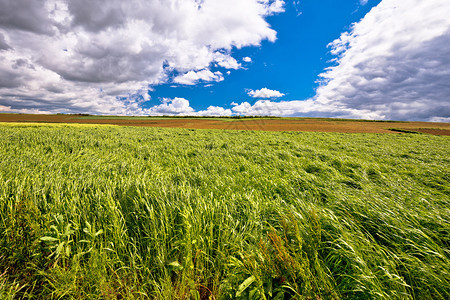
pixel 361 59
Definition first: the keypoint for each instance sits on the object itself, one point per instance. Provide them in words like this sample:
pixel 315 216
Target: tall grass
pixel 110 212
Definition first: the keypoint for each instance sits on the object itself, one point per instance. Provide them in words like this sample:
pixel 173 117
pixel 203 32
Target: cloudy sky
pixel 371 59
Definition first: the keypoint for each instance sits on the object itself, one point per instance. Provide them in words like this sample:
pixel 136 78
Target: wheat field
pixel 110 212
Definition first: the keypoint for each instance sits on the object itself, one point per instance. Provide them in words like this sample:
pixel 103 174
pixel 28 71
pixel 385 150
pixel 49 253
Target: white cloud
pixel 395 63
pixel 181 107
pixel 79 55
pixel 299 108
pixel 9 109
pixel 247 59
pixel 102 56
pixel 269 108
pixel 193 77
pixel 3 43
pixel 216 111
pixel 273 7
pixel 440 119
pixel 226 61
pixel 176 106
pixel 363 2
pixel 265 93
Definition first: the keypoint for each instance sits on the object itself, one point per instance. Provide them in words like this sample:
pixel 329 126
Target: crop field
pixel 120 212
pixel 247 123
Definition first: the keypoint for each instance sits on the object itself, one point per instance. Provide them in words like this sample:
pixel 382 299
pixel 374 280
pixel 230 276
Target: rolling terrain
pixel 119 212
pixel 265 124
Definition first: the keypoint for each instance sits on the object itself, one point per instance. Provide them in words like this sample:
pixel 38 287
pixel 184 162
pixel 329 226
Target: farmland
pixel 121 212
pixel 259 123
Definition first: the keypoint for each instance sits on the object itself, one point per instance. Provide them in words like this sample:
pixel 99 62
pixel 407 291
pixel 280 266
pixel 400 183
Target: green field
pixel 109 212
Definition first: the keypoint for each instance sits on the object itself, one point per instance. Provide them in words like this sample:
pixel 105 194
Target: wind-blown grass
pixel 150 213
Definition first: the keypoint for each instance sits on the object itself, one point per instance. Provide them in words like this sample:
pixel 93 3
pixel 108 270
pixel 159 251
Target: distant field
pixel 265 124
pixel 116 212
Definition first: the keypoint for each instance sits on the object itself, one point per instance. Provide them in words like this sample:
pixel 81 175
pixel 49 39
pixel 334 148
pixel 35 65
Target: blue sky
pixel 362 59
pixel 290 65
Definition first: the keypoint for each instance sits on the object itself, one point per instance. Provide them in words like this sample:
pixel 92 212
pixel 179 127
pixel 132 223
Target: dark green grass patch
pixel 404 130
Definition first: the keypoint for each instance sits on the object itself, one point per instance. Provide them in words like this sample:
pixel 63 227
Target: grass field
pixel 243 123
pixel 111 212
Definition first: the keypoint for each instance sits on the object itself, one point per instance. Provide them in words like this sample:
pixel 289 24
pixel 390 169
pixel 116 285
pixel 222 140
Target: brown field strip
pixel 267 124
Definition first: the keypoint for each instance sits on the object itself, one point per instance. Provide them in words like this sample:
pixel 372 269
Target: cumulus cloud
pixel 394 63
pixel 226 61
pixel 176 106
pixel 216 111
pixel 193 77
pixel 3 44
pixel 97 15
pixel 103 56
pixel 273 7
pixel 265 93
pixel 299 108
pixel 25 15
pixel 9 109
pixel 94 56
pixel 182 107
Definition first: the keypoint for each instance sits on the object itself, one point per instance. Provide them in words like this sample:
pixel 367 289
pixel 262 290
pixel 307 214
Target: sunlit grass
pixel 43 124
pixel 110 212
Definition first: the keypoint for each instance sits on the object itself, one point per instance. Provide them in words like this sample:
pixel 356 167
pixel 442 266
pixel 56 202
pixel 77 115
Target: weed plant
pixel 107 212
